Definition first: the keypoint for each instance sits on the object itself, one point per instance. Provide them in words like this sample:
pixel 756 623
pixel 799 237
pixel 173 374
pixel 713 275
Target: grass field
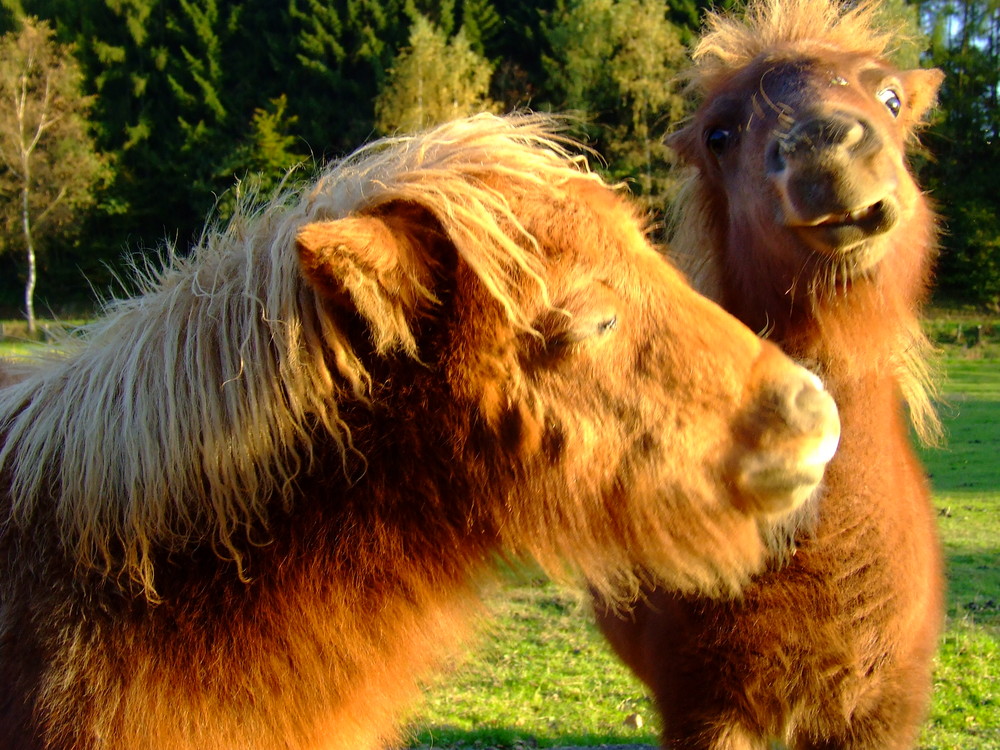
pixel 541 676
pixel 16 342
pixel 965 475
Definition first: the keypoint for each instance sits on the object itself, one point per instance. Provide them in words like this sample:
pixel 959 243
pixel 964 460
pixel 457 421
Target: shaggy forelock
pixel 185 411
pixel 769 26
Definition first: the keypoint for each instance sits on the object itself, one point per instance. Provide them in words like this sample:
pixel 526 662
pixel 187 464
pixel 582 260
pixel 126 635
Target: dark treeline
pixel 962 171
pixel 190 96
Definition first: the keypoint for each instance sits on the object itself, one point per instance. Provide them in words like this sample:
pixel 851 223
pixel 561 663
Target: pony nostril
pixel 774 157
pixel 826 133
pixel 847 133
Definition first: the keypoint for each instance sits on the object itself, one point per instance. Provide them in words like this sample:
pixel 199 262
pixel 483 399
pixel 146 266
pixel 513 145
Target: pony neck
pixel 856 331
pixel 860 326
pixel 864 339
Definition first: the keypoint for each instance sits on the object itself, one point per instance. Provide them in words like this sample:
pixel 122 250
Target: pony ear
pixel 378 265
pixel 921 91
pixel 683 143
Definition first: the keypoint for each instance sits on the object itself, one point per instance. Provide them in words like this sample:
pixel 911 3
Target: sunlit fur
pixel 251 506
pixel 833 647
pixel 235 313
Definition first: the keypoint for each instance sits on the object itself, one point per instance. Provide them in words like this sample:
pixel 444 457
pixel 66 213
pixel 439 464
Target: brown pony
pixel 801 218
pixel 250 508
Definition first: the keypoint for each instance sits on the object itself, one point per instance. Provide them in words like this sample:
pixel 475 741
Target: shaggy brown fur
pixel 802 219
pixel 251 508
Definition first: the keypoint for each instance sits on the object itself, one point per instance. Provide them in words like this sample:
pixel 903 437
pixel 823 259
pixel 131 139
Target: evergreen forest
pixel 151 114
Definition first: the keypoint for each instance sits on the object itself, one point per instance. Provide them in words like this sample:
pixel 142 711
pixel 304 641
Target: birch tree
pixel 48 164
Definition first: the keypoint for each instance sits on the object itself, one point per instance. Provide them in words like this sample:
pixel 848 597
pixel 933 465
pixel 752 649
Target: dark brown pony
pixel 250 507
pixel 802 219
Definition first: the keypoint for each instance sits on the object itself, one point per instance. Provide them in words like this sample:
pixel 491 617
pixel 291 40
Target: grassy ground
pixel 542 676
pixel 966 479
pixel 15 341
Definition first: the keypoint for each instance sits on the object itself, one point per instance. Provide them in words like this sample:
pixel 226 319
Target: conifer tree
pixel 434 79
pixel 263 161
pixel 614 62
pixel 197 76
pixel 481 23
pixel 440 13
pixel 964 173
pixel 342 52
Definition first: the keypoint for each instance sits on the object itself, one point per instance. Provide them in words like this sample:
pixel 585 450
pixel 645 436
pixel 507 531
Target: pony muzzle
pixel 791 430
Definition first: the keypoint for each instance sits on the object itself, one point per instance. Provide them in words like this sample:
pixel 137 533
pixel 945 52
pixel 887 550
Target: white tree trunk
pixel 29 286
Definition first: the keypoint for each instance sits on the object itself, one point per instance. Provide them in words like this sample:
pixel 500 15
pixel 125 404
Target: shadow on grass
pixel 967 461
pixel 514 739
pixel 974 586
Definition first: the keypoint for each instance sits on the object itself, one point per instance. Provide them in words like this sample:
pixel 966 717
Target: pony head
pixel 477 285
pixel 799 194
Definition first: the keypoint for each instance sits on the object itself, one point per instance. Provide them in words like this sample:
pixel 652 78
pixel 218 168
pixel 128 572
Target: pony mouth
pixel 858 217
pixel 844 232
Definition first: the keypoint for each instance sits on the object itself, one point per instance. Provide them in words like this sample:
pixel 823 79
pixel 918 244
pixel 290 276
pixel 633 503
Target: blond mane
pixel 184 413
pixel 769 26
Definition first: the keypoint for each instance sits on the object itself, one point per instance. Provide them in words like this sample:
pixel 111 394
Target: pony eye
pixel 717 139
pixel 561 331
pixel 891 100
pixel 585 327
pixel 607 325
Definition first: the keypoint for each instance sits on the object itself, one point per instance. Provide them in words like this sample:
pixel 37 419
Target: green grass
pixel 965 474
pixel 964 334
pixel 13 349
pixel 540 675
pixel 16 342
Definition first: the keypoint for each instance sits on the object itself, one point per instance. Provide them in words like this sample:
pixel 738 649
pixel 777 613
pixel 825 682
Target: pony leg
pixel 883 731
pixel 708 728
pixel 891 723
pixel 727 736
